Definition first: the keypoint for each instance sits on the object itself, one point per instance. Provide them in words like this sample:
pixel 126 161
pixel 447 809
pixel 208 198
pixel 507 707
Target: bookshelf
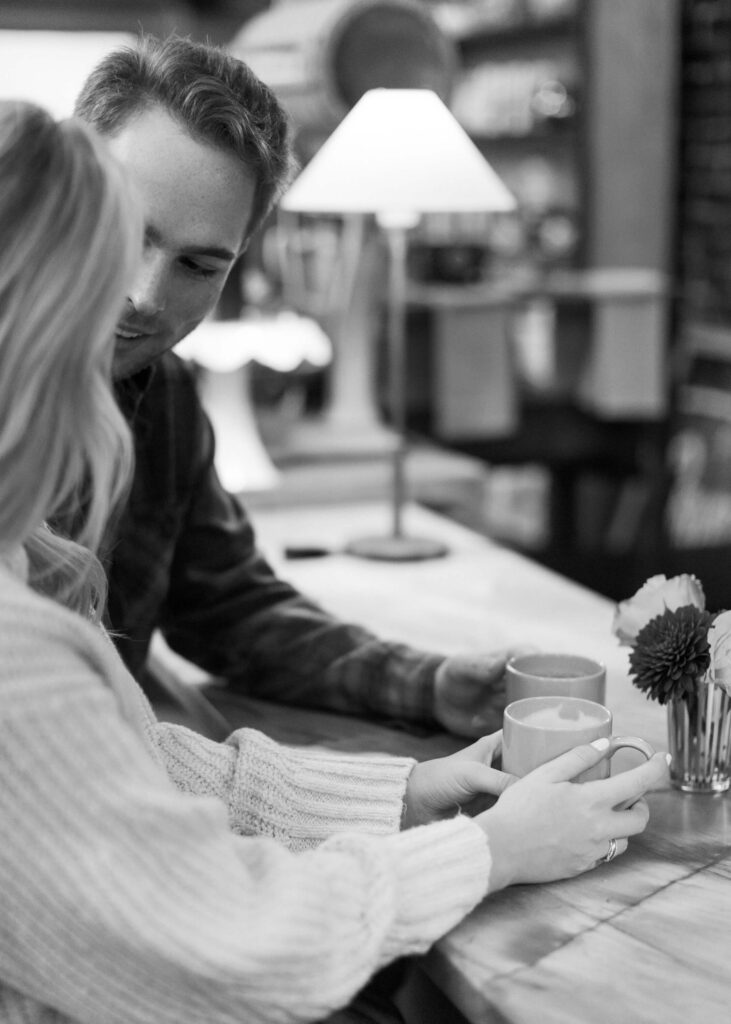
pixel 575 104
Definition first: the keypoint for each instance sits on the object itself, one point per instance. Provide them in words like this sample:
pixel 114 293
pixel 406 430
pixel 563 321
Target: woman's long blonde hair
pixel 70 238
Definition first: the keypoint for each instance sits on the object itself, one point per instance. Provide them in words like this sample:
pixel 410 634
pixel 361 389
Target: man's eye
pixel 199 270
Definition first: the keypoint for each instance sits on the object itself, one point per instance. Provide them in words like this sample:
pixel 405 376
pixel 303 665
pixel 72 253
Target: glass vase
pixel 699 738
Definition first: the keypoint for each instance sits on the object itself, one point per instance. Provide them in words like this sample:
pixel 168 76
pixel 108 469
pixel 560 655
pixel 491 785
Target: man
pixel 208 147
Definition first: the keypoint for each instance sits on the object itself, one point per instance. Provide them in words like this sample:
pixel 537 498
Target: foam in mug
pixel 562 716
pixel 537 729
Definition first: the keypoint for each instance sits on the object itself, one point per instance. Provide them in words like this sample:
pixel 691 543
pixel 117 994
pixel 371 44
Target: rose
pixel 654 597
pixel 719 640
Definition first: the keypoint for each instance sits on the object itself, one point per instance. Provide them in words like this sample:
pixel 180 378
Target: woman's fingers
pixel 480 778
pixel 488 748
pixel 622 847
pixel 632 821
pixel 627 823
pixel 627 787
pixel 567 766
pixel 484 750
pixel 619 847
pixel 619 790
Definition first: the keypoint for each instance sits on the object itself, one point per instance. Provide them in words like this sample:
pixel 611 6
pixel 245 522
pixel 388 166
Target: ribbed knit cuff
pixel 436 875
pixel 443 872
pixel 303 795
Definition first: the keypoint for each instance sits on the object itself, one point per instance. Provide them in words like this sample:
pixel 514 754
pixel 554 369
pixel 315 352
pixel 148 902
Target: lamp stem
pixel 396 240
pixel 397 547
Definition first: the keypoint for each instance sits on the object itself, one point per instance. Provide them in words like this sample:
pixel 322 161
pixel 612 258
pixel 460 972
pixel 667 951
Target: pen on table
pixel 293 551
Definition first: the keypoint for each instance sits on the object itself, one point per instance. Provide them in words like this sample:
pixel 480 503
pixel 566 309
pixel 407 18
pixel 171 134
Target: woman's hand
pixel 545 827
pixel 442 787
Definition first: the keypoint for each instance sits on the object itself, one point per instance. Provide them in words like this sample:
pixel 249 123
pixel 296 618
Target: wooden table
pixel 643 940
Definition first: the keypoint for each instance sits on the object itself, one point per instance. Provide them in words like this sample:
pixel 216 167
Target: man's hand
pixel 469 693
pixel 443 787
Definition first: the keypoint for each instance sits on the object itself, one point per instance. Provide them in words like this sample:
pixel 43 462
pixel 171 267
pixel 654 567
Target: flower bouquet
pixel 680 656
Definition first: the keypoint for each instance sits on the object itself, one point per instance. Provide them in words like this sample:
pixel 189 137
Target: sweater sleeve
pixel 299 796
pixel 125 900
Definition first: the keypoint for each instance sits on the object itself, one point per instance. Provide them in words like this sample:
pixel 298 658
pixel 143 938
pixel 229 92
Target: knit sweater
pixel 150 875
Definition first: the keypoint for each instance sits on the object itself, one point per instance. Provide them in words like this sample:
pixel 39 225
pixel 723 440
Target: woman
pixel 148 874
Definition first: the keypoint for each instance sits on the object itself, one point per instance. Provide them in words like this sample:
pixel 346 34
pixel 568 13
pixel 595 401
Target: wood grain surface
pixel 643 940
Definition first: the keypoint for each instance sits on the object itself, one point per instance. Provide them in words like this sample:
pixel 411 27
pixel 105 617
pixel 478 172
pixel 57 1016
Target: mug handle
pixel 617 743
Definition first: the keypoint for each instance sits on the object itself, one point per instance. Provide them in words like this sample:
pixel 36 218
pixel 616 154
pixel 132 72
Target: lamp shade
pixel 398 153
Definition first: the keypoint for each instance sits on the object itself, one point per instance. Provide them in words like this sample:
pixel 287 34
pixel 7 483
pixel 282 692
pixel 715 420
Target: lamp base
pixel 396 548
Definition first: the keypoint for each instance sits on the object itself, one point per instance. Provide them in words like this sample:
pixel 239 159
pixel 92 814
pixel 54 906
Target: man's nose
pixel 149 291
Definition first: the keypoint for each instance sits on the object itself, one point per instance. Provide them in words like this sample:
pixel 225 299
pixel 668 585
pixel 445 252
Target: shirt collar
pixel 131 390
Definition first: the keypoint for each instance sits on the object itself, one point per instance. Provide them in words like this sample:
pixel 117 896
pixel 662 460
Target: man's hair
pixel 215 97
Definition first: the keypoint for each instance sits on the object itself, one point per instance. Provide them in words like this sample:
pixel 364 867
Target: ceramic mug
pixel 537 729
pixel 554 675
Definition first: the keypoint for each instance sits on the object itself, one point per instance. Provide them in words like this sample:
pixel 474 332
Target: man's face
pixel 197 202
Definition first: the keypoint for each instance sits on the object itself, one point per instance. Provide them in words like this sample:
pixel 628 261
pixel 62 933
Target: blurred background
pixel 569 364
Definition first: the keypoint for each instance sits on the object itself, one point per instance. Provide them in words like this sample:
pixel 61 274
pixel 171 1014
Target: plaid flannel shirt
pixel 183 558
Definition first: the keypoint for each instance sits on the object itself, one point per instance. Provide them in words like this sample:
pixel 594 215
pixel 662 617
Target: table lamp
pixel 399 153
